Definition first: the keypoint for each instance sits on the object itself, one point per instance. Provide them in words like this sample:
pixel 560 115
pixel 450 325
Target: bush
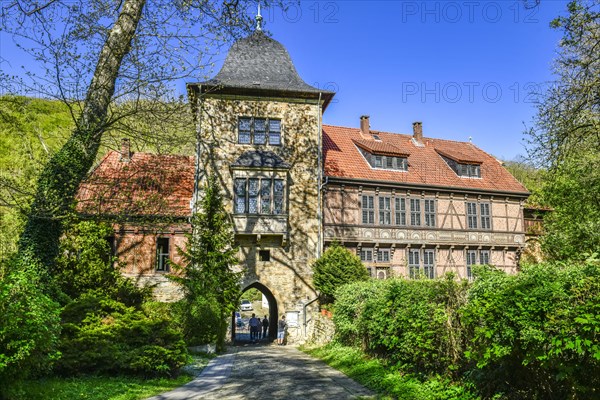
pixel 336 267
pixel 104 336
pixel 86 265
pixel 29 324
pixel 412 323
pixel 536 334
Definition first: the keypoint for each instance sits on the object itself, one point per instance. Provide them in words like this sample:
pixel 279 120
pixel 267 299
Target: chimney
pixel 125 150
pixel 418 131
pixel 364 125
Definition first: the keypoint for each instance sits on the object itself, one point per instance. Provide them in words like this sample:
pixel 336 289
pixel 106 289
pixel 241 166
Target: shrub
pixel 412 323
pixel 29 324
pixel 336 267
pixel 536 334
pixel 86 265
pixel 104 336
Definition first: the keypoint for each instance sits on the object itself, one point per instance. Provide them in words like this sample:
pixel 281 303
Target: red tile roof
pixel 148 184
pixel 425 165
pixel 377 147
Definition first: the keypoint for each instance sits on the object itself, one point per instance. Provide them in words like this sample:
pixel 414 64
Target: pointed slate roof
pixel 260 159
pixel 258 64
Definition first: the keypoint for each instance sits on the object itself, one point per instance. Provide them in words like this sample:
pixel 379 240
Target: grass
pixel 103 388
pixel 388 383
pixel 93 388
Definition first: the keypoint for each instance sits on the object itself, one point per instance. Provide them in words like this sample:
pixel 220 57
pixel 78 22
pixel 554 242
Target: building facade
pixel 408 205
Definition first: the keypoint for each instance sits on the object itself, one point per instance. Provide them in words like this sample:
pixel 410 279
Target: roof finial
pixel 470 139
pixel 258 19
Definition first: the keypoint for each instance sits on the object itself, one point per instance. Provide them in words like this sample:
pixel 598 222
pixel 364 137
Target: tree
pixel 142 51
pixel 336 267
pixel 566 138
pixel 208 278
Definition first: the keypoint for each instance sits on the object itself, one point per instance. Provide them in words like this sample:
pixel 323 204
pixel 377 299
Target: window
pixel 464 170
pixel 253 196
pixel 414 263
pixel 471 260
pixel 265 196
pixel 274 132
pixel 264 255
pixel 421 263
pixel 259 131
pixel 400 211
pixel 368 210
pixel 428 263
pixel 484 257
pixel 430 213
pixel 258 196
pixel 472 215
pixel 239 188
pixel 474 257
pixel 383 255
pixel 278 196
pixel 378 162
pixel 385 162
pixel 385 210
pixel 162 254
pixel 415 212
pixel 366 255
pixel 485 215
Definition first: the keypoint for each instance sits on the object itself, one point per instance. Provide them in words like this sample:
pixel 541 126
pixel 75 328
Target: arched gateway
pixel 273 314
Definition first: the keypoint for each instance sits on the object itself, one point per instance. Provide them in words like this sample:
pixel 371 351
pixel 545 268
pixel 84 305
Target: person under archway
pixel 281 328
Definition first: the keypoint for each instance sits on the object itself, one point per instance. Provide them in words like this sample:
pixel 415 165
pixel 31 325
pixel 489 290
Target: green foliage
pixel 32 129
pixel 336 267
pixel 536 334
pixel 414 323
pixel 376 375
pixel 104 336
pixel 29 326
pixel 573 191
pixel 85 264
pixel 211 287
pixel 565 139
pixel 93 388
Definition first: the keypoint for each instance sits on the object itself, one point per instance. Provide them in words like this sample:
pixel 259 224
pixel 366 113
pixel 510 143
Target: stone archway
pixel 273 311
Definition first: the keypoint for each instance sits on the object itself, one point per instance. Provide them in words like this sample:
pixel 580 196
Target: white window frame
pixel 368 209
pixel 162 256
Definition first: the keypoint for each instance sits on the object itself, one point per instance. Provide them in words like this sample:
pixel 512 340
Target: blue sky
pixel 463 68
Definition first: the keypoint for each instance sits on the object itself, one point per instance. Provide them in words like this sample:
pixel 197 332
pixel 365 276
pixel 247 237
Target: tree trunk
pixel 60 178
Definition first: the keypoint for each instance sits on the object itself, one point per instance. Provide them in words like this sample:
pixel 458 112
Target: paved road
pixel 268 372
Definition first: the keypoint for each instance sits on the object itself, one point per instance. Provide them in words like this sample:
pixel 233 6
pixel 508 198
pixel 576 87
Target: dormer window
pixel 464 164
pixel 385 161
pixel 259 131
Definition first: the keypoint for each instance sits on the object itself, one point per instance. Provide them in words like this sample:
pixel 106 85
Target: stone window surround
pixel 254 173
pixel 252 131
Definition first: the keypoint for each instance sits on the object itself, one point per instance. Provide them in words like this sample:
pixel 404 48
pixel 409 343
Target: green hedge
pixel 531 335
pixel 104 336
